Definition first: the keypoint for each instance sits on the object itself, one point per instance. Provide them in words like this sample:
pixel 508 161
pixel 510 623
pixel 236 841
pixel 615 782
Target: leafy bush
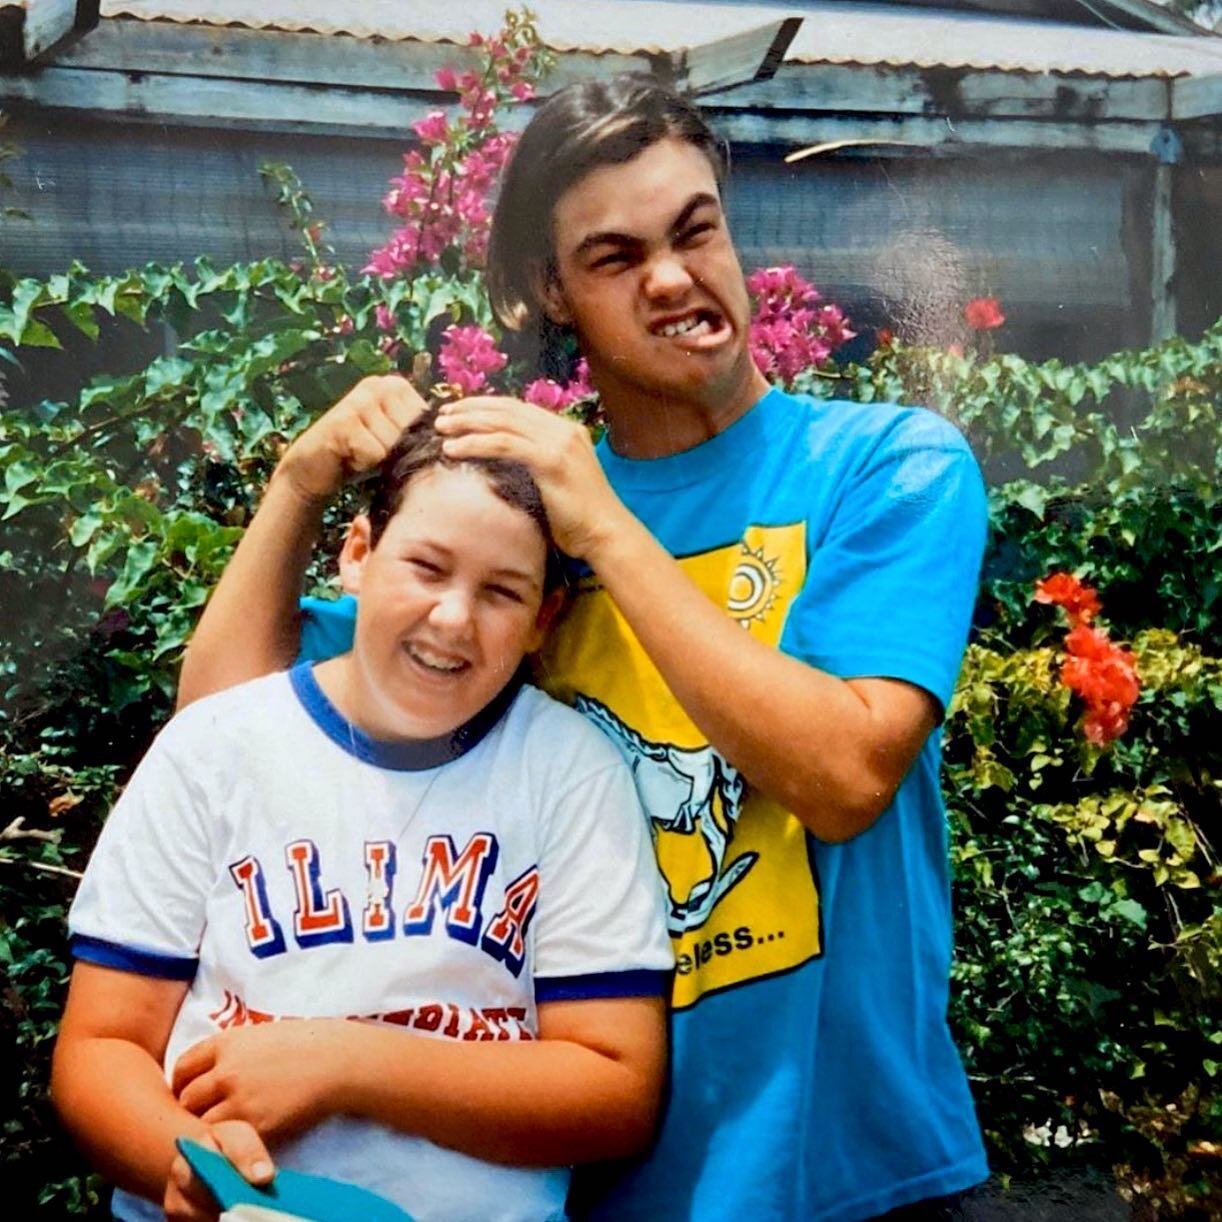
pixel 1086 996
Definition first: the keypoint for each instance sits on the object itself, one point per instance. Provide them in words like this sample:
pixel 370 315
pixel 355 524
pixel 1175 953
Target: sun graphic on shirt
pixel 753 586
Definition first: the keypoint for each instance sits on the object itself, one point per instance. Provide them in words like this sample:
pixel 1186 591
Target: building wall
pixel 899 241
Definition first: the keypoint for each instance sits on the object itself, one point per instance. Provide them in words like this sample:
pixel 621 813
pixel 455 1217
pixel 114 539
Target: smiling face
pixel 451 598
pixel 645 272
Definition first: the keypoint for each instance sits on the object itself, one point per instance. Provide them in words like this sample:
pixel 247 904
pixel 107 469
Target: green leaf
pixel 39 335
pixel 83 529
pixel 1131 910
pixel 165 372
pixel 139 562
pixel 81 315
pixel 20 474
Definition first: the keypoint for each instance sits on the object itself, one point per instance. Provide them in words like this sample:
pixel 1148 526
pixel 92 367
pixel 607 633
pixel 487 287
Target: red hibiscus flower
pixel 1080 601
pixel 983 313
pixel 1097 670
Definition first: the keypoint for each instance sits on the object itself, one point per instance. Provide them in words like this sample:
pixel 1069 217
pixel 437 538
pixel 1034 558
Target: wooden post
pixel 1167 149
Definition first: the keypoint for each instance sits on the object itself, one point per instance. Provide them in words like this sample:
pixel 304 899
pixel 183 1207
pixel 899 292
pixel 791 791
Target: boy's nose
pixel 666 276
pixel 452 611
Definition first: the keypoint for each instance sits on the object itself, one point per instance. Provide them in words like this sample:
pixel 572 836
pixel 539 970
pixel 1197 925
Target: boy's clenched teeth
pixel 698 322
pixel 439 662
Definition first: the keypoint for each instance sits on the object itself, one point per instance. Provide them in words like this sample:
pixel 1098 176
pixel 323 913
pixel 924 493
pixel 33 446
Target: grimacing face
pixel 451 599
pixel 648 277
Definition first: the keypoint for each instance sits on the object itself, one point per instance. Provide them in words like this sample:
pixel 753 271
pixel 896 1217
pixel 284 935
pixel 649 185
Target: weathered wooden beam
pixel 1196 97
pixel 937 135
pixel 750 56
pixel 218 102
pixel 30 28
pixel 965 92
pixel 265 55
pixel 315 59
pixel 275 106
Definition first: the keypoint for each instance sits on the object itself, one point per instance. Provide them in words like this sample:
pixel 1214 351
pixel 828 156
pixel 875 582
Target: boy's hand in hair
pixel 352 437
pixel 581 505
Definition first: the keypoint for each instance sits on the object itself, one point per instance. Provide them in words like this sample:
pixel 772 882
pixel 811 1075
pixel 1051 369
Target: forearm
pixel 541 1103
pixel 113 1099
pixel 249 627
pixel 804 737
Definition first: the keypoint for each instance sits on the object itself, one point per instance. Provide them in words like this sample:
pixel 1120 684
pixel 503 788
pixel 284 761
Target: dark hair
pixel 419 449
pixel 578 129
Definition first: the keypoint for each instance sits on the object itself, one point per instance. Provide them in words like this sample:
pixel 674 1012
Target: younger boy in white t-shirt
pixel 394 917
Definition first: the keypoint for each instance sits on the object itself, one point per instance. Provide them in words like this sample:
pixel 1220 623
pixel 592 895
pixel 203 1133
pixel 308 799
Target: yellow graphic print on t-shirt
pixel 743 899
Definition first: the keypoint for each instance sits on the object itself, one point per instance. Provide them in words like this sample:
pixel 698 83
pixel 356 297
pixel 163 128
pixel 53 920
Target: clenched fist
pixel 352 437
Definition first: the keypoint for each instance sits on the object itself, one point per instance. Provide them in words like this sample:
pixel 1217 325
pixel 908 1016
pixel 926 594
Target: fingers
pixel 371 417
pixel 363 446
pixel 352 437
pixel 492 412
pixel 387 405
pixel 197 1059
pixel 201 1094
pixel 242 1146
pixel 186 1198
pixel 485 420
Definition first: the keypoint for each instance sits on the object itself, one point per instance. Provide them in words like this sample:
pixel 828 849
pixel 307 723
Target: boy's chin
pixel 414 719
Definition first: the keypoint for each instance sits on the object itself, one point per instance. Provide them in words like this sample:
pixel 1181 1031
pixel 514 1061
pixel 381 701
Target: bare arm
pixel 586 1089
pixel 830 750
pixel 111 1094
pixel 249 627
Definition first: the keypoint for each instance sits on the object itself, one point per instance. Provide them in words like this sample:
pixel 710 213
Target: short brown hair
pixel 419 449
pixel 578 129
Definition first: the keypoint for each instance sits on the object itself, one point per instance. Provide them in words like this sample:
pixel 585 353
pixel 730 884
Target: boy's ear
pixel 358 545
pixel 550 295
pixel 549 608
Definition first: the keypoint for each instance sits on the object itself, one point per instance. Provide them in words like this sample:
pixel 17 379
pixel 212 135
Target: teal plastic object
pixel 311 1197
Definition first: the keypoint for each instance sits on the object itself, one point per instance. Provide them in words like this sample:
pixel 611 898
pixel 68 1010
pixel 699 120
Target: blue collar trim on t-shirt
pixel 402 755
pixel 752 431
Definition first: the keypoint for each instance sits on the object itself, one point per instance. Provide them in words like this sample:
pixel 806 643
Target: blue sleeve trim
pixel 131 958
pixel 639 982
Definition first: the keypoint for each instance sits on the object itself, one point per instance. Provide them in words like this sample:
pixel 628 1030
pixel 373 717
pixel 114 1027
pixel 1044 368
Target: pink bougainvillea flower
pixel 790 331
pixel 545 393
pixel 383 317
pixel 983 313
pixel 468 355
pixel 556 396
pixel 441 199
pixel 433 128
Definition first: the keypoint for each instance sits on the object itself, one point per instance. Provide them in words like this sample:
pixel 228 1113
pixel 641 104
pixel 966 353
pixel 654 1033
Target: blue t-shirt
pixel 813 1072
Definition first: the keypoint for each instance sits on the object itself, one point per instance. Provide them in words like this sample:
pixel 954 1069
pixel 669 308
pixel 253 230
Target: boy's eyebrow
pixel 611 237
pixel 517 574
pixel 506 570
pixel 696 202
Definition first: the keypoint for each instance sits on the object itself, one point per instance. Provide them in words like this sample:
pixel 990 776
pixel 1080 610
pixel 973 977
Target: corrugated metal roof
pixel 833 33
